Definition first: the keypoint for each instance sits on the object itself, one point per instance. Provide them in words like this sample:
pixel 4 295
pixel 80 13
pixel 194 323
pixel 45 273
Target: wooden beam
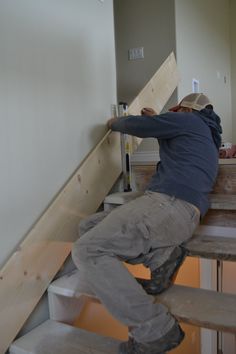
pixel 26 275
pixel 203 308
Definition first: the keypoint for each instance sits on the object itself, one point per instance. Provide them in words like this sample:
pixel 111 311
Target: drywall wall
pixel 58 81
pixel 203 53
pixel 233 64
pixel 149 24
pixel 141 24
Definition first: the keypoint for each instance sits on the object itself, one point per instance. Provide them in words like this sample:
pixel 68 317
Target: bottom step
pixel 57 338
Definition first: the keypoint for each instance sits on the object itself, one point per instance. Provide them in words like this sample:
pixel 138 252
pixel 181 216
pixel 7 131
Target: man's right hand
pixel 148 112
pixel 110 121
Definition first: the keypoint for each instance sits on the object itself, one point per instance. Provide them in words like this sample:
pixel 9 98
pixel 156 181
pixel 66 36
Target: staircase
pixel 204 308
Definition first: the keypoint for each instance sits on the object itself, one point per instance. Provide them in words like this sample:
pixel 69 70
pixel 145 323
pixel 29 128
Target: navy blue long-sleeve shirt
pixel 188 155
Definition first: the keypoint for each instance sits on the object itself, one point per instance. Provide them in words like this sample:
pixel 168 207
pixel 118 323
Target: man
pixel 152 228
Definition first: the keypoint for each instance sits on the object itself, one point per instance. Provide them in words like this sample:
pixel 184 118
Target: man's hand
pixel 148 112
pixel 110 121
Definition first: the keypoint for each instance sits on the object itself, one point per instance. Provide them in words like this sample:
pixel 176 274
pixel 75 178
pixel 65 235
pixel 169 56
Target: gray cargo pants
pixel 145 230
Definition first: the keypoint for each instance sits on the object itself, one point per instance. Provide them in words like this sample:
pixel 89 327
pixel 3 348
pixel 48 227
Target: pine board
pixel 49 242
pixel 223 201
pixel 210 247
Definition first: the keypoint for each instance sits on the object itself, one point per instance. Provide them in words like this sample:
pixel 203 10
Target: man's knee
pixel 91 221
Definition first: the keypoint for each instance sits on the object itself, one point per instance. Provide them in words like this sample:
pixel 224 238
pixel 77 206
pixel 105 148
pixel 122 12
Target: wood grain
pixel 49 241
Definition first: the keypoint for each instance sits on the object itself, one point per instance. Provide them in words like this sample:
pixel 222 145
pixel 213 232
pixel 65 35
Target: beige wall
pixel 149 24
pixel 58 81
pixel 203 53
pixel 233 64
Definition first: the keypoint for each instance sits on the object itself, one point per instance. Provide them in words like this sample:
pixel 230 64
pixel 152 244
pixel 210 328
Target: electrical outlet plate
pixel 136 53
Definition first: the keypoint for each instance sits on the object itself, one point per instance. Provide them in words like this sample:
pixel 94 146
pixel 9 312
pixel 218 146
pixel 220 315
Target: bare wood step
pixel 203 308
pixel 217 201
pixel 57 338
pixel 223 201
pixel 213 242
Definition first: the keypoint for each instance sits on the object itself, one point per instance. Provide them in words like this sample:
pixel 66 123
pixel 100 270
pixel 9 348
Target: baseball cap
pixel 197 101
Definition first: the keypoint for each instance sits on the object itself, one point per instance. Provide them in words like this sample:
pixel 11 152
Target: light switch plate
pixel 136 53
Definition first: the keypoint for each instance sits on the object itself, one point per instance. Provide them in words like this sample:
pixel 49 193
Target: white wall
pixel 203 52
pixel 233 64
pixel 57 85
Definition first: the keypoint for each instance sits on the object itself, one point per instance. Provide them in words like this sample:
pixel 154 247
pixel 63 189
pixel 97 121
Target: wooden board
pixel 32 267
pixel 221 248
pixel 226 218
pixel 57 338
pixel 48 243
pixel 226 179
pixel 204 308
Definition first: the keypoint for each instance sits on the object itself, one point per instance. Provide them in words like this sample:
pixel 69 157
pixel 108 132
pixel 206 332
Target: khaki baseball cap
pixel 197 101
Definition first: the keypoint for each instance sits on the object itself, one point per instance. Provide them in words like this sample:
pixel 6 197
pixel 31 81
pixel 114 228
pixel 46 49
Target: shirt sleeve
pixel 163 126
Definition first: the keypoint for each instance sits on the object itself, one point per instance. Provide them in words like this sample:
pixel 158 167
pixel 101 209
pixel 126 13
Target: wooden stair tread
pixel 213 242
pixel 210 247
pixel 59 338
pixel 223 201
pixel 70 285
pixel 199 307
pixel 204 308
pixel 217 201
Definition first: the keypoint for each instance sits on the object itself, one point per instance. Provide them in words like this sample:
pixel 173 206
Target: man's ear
pixel 189 109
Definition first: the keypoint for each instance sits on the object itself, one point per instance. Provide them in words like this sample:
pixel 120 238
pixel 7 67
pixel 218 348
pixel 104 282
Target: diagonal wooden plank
pixel 55 230
pixel 51 236
pixel 156 92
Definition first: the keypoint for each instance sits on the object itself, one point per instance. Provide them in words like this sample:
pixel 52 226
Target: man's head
pixel 194 101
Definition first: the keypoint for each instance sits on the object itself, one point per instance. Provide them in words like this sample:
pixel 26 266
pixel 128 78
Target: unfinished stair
pixel 58 338
pixel 204 308
pixel 199 307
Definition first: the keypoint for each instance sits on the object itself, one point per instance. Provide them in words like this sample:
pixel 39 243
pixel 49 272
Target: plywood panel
pixel 49 242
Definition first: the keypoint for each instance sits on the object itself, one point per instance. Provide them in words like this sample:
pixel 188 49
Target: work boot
pixel 164 276
pixel 169 341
